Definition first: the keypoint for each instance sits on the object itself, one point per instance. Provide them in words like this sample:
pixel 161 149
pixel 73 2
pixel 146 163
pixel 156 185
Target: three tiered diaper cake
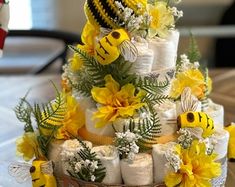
pixel 130 113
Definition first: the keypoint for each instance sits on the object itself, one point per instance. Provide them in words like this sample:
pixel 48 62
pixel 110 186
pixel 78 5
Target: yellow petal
pixel 173 179
pixel 101 95
pixel 111 84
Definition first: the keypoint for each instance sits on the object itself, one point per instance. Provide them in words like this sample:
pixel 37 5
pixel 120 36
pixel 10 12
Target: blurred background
pixel 202 17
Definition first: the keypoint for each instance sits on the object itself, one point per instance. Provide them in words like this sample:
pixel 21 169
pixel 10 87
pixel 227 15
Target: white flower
pixel 78 167
pixel 87 163
pixel 127 13
pixel 93 178
pixel 176 12
pixel 173 160
pixel 94 165
pixel 134 148
pixel 119 5
pixel 186 64
pixel 185 139
pixel 130 136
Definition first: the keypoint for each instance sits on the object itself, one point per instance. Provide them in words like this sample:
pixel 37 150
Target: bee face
pixel 196 119
pixel 38 179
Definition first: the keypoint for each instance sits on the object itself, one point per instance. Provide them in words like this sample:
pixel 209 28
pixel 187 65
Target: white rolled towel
pixel 84 102
pixel 107 130
pixel 54 151
pixel 167 115
pixel 139 171
pixel 221 137
pixel 216 112
pixel 68 150
pixel 110 160
pixel 174 36
pixel 164 53
pixel 159 161
pixel 144 61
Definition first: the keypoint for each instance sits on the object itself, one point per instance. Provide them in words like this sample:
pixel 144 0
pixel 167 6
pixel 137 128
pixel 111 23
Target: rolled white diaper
pixel 110 160
pixel 221 137
pixel 167 115
pixel 216 112
pixel 164 53
pixel 107 130
pixel 139 171
pixel 144 61
pixel 160 161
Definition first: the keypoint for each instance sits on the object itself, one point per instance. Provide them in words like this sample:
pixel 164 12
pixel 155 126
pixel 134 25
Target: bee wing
pixel 47 168
pixel 105 31
pixel 188 101
pixel 20 171
pixel 128 50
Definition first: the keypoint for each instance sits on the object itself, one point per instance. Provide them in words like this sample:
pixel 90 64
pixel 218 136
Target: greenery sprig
pixel 91 168
pixel 45 115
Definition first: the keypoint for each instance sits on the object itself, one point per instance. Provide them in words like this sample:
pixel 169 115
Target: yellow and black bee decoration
pixel 117 42
pixel 102 13
pixel 197 119
pixel 42 174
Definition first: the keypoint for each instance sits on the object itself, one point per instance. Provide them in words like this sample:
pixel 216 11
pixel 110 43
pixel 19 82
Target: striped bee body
pixel 117 42
pixel 197 119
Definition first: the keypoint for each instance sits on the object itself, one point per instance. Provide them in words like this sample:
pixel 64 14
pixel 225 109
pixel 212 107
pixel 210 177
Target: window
pixel 20 14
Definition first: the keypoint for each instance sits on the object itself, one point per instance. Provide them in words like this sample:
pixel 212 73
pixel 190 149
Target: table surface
pixel 14 87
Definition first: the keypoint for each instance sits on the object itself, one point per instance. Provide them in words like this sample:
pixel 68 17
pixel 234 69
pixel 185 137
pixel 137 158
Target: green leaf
pixel 23 113
pixel 194 54
pixel 53 112
pixel 148 128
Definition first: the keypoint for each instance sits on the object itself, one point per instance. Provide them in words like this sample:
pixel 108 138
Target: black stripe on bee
pixel 200 117
pixel 96 14
pixel 101 47
pixel 208 125
pixel 107 40
pixel 100 55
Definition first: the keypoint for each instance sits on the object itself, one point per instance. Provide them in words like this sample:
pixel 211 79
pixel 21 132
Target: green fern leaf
pixel 51 113
pixel 148 129
pixel 194 54
pixel 23 113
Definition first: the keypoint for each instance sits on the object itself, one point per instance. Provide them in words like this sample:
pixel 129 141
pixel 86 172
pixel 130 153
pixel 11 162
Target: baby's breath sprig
pixel 125 143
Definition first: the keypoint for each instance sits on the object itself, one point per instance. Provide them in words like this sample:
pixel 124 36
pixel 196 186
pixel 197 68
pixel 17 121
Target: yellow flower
pixel 231 144
pixel 73 119
pixel 27 146
pixel 75 63
pixel 193 79
pixel 115 101
pixel 197 168
pixel 162 19
pixel 88 39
